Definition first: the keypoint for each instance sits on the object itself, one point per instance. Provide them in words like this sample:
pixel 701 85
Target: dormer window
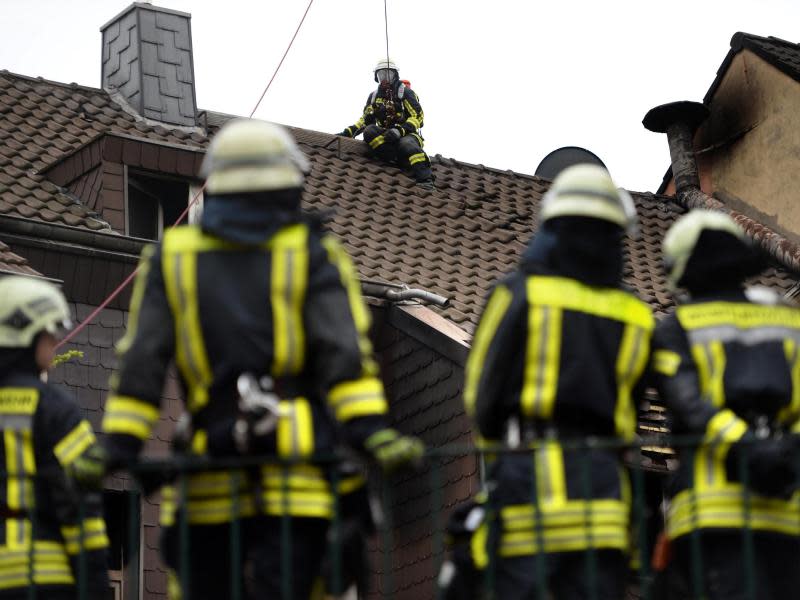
pixel 153 203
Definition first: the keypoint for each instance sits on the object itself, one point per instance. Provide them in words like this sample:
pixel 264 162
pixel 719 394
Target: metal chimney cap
pixel 659 119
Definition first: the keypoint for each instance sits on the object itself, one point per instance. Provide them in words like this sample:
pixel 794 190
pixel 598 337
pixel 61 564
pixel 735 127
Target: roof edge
pixel 430 328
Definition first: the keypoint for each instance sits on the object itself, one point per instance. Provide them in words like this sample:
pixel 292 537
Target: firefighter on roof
pixel 45 436
pixel 558 357
pixel 391 124
pixel 727 365
pixel 262 312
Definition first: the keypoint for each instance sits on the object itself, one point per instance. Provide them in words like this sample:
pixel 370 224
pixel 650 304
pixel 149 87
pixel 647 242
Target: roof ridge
pixel 40 79
pixel 739 36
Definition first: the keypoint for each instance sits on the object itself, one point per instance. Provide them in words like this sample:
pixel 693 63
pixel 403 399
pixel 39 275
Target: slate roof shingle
pixel 15 264
pixel 40 122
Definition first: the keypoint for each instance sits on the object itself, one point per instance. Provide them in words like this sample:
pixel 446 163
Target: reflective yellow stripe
pixel 131 416
pixel 348 485
pixel 550 483
pixel 791 413
pixel 139 285
pixel 722 430
pixel 377 142
pixel 91 536
pixel 299 503
pixel 180 279
pixel 359 398
pixel 607 303
pixel 295 432
pixel 571 525
pixel 361 317
pixel 723 507
pixel 631 361
pixel 287 295
pixel 168 507
pixel 710 361
pixel 50 565
pixel 478 549
pixel 18 401
pixel 542 359
pixel 74 443
pixel 493 314
pixel 666 362
pixel 417 158
pixel 741 315
pixel 18 533
pixel 213 511
pixel 200 442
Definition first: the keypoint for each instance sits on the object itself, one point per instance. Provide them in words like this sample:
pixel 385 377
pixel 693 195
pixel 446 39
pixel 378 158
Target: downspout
pixel 679 120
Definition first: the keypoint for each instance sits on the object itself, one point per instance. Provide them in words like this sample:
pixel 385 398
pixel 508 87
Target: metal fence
pixel 645 518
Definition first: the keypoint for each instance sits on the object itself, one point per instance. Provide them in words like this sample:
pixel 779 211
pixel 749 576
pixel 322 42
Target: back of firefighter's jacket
pixel 289 308
pixel 558 361
pixel 726 366
pixel 42 532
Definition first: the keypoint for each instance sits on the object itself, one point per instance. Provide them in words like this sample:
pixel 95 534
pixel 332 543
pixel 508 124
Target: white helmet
pixel 588 191
pixel 681 239
pixel 248 155
pixel 29 306
pixel 386 63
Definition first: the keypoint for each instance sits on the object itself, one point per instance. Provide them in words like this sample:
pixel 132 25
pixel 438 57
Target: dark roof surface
pixel 40 122
pixel 781 54
pixel 455 241
pixel 14 263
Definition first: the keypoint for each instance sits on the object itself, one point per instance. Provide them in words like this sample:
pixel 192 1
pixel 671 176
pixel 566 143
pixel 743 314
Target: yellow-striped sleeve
pixel 74 443
pixel 90 535
pixel 493 314
pixel 131 416
pixel 360 398
pixel 666 362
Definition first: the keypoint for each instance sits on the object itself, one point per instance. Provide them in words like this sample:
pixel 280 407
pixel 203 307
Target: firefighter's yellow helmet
pixel 681 239
pixel 385 63
pixel 29 306
pixel 248 155
pixel 588 191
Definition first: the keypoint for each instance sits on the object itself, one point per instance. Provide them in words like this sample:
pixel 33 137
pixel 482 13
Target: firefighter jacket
pixel 44 527
pixel 400 109
pixel 289 307
pixel 556 359
pixel 721 365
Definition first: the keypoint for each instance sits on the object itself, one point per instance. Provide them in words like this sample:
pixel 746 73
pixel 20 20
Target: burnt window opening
pixel 153 204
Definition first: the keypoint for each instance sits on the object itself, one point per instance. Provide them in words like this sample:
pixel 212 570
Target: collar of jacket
pixel 251 218
pixel 591 257
pixel 18 361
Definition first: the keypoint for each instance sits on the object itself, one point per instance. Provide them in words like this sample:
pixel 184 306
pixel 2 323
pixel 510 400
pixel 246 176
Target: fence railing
pixel 426 495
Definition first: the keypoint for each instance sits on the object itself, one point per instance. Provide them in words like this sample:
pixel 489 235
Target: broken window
pixel 154 203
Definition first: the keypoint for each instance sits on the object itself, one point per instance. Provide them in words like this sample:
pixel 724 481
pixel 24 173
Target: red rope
pixel 182 216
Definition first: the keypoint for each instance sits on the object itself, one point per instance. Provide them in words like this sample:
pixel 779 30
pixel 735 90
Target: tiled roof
pixel 40 122
pixel 455 241
pixel 781 54
pixel 14 263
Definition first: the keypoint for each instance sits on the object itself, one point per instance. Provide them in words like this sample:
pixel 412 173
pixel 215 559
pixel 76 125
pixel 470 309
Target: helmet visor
pixel 387 75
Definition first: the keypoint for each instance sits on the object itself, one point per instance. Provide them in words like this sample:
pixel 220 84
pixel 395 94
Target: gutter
pixel 91 242
pixel 679 120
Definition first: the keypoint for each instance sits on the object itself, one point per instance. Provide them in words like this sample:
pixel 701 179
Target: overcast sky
pixel 501 82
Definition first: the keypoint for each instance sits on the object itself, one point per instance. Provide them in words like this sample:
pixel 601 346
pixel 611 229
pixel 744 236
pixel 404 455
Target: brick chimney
pixel 147 59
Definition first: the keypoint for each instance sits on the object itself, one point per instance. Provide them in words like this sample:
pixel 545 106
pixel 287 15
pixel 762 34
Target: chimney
pixel 679 120
pixel 147 59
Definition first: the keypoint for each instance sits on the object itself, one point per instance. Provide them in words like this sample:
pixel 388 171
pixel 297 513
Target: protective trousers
pixel 263 551
pixel 407 152
pixel 724 574
pixel 562 575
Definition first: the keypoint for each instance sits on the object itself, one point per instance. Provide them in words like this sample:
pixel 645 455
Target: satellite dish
pixel 561 158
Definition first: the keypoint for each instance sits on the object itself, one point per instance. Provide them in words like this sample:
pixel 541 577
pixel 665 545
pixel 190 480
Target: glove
pixel 345 133
pixel 88 470
pixel 392 135
pixel 771 464
pixel 392 450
